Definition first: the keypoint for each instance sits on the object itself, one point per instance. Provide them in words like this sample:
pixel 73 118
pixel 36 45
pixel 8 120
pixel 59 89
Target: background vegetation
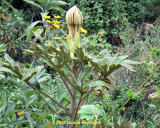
pixel 120 27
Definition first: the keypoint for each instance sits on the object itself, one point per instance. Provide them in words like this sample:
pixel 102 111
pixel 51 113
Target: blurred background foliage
pixel 120 26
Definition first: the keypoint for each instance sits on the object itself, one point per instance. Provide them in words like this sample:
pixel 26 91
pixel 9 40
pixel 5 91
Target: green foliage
pixel 46 5
pixel 97 69
pixel 90 112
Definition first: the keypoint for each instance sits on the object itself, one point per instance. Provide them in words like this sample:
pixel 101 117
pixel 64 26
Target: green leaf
pixel 127 66
pixel 17 122
pixel 97 85
pixel 29 118
pixel 3 69
pixel 31 32
pixel 8 58
pixel 43 79
pixel 34 4
pixel 130 93
pixel 29 28
pixel 42 2
pixel 10 107
pixel 30 93
pixel 29 101
pixel 2 47
pixel 89 112
pixel 55 8
pixel 29 73
pixel 57 3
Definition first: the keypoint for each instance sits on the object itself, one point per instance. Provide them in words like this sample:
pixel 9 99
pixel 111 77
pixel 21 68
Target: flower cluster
pixel 153 95
pixel 83 30
pixel 55 23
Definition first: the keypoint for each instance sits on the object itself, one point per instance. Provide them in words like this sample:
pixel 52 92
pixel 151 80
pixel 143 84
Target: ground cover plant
pixel 77 78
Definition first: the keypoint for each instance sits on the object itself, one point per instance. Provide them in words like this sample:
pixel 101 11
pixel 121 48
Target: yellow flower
pixel 56 22
pixel 56 26
pixel 57 17
pixel 49 21
pixel 65 38
pixel 123 108
pixel 83 30
pixel 46 17
pixel 20 113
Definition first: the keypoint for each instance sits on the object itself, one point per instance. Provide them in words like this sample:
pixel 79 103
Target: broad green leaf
pixel 30 93
pixel 43 79
pixel 90 111
pixel 3 69
pixel 42 2
pixel 29 118
pixel 130 62
pixel 30 100
pixel 127 66
pixel 53 3
pixel 38 37
pixel 14 118
pixel 31 32
pixel 17 122
pixel 97 85
pixel 2 108
pixel 121 58
pixel 8 58
pixel 55 8
pixel 29 28
pixel 10 107
pixel 2 47
pixel 28 73
pixel 34 4
pixel 10 113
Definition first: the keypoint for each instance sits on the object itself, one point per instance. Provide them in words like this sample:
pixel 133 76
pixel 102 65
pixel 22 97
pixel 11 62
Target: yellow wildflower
pixel 56 26
pixel 46 17
pixel 65 38
pixel 56 22
pixel 20 113
pixel 49 21
pixel 57 17
pixel 83 30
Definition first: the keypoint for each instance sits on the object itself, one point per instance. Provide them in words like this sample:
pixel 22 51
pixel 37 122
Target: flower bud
pixel 74 20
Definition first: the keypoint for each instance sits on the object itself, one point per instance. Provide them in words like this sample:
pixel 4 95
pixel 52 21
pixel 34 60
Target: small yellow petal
pixel 56 22
pixel 83 30
pixel 49 21
pixel 46 17
pixel 20 113
pixel 56 26
pixel 65 38
pixel 57 17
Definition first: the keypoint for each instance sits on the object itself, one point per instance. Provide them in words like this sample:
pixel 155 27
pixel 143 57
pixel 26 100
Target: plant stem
pixel 78 106
pixel 86 74
pixel 65 82
pixel 49 97
pixel 9 5
pixel 52 108
pixel 85 96
pixel 136 92
pixel 73 99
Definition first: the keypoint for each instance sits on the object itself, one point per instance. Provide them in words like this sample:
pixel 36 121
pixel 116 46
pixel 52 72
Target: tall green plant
pixel 73 64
